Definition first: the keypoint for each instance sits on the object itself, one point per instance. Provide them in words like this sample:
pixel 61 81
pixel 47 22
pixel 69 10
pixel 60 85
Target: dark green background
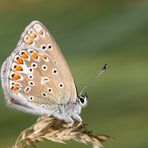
pixel 90 33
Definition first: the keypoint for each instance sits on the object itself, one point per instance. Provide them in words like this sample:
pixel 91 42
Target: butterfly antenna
pixel 97 74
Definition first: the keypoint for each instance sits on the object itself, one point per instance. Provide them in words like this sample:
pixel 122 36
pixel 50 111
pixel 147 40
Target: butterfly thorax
pixel 67 110
pixel 71 111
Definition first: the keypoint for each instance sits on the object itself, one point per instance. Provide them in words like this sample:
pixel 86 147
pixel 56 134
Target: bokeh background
pixel 90 34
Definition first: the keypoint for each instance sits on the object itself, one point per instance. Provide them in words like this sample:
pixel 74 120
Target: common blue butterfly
pixel 36 77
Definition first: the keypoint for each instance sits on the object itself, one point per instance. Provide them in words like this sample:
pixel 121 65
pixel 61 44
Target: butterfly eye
pixel 61 85
pixel 34 65
pixel 83 101
pixel 44 67
pixel 31 98
pixel 55 71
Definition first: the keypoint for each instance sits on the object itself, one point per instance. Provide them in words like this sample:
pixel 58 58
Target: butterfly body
pixel 36 77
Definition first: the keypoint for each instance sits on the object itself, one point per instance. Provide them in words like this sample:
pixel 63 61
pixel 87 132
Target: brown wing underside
pixel 49 55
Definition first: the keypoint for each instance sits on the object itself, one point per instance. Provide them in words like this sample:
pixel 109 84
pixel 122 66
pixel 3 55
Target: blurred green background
pixel 90 34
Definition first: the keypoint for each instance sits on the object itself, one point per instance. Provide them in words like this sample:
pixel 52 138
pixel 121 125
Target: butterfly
pixel 36 77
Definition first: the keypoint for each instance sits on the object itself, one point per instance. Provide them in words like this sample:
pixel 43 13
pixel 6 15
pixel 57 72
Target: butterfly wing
pixel 37 73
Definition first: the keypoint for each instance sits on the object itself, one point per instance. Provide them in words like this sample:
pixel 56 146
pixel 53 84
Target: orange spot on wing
pixel 33 35
pixel 34 55
pixel 15 76
pixel 16 85
pixel 29 40
pixel 40 32
pixel 18 68
pixel 14 88
pixel 25 55
pixel 20 61
pixel 44 56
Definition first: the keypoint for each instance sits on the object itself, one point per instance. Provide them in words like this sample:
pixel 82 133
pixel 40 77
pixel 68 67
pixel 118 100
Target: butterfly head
pixel 83 99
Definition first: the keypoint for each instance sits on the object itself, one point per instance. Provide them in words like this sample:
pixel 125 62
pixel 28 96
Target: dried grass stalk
pixel 52 129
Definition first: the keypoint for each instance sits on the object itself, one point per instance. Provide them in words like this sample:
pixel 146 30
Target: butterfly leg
pixel 70 121
pixel 78 118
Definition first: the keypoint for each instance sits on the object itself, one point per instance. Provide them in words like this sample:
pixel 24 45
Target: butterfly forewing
pixel 38 72
pixel 37 35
